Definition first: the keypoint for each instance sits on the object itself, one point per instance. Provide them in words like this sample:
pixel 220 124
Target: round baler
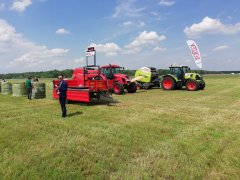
pixel 147 77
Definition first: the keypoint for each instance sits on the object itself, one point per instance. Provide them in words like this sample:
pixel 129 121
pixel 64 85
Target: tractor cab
pixel 110 70
pixel 179 71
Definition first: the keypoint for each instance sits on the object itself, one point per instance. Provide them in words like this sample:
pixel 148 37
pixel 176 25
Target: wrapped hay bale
pixel 49 90
pixel 39 90
pixel 19 89
pixel 6 88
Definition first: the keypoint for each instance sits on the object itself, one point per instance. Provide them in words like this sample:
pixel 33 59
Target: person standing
pixel 29 87
pixel 62 92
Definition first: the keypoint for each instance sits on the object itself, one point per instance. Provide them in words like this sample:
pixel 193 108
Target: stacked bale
pixel 39 90
pixel 49 90
pixel 19 89
pixel 6 88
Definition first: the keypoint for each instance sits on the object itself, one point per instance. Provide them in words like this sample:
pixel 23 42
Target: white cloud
pixel 57 52
pixel 110 49
pixel 126 8
pixel 38 55
pixel 146 38
pixel 128 23
pixel 62 31
pixel 2 6
pixel 220 48
pixel 20 5
pixel 141 24
pixel 166 2
pixel 159 49
pixel 26 54
pixel 156 15
pixel 79 60
pixel 211 26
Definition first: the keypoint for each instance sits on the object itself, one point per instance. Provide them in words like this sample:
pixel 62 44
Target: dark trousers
pixel 62 101
pixel 29 93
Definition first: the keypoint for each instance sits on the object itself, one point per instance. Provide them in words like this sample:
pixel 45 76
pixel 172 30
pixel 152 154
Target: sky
pixel 40 35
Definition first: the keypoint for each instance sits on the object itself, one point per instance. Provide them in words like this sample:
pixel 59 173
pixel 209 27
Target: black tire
pixel 168 83
pixel 192 85
pixel 132 88
pixel 98 78
pixel 118 88
pixel 202 85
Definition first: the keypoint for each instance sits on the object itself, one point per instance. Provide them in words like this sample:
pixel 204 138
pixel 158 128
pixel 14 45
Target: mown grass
pixel 152 134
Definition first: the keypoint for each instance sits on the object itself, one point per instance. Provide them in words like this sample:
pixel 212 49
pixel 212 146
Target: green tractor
pixel 180 76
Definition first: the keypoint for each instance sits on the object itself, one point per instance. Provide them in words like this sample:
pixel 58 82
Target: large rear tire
pixel 168 83
pixel 118 88
pixel 192 85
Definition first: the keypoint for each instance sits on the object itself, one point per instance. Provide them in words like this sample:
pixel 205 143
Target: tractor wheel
pixel 202 85
pixel 168 83
pixel 118 88
pixel 192 85
pixel 132 88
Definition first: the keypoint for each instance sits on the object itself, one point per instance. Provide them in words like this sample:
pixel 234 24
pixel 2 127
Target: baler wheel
pixel 132 88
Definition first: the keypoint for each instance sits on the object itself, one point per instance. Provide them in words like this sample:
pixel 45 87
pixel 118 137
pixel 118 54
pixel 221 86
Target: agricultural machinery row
pixel 99 82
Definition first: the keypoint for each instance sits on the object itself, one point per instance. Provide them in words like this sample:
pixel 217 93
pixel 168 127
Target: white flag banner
pixel 195 52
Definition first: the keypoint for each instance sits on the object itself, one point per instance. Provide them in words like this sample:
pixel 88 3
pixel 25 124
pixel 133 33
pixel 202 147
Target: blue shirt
pixel 63 88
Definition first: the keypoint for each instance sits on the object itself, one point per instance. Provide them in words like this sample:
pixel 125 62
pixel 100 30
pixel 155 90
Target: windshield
pixel 117 70
pixel 185 69
pixel 176 71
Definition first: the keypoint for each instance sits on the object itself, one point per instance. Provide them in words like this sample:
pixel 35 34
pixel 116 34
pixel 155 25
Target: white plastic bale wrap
pixel 39 90
pixel 6 88
pixel 19 89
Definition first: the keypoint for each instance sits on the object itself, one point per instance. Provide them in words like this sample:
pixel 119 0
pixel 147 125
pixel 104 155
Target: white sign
pixel 91 53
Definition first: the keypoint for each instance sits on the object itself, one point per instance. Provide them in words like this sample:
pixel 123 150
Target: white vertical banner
pixel 195 53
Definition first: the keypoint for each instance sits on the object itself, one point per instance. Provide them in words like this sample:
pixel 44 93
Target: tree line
pixel 68 73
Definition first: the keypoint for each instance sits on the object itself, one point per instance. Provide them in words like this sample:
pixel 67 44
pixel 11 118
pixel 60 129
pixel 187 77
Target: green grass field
pixel 152 134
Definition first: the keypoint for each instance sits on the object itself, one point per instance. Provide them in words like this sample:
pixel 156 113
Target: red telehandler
pixel 85 84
